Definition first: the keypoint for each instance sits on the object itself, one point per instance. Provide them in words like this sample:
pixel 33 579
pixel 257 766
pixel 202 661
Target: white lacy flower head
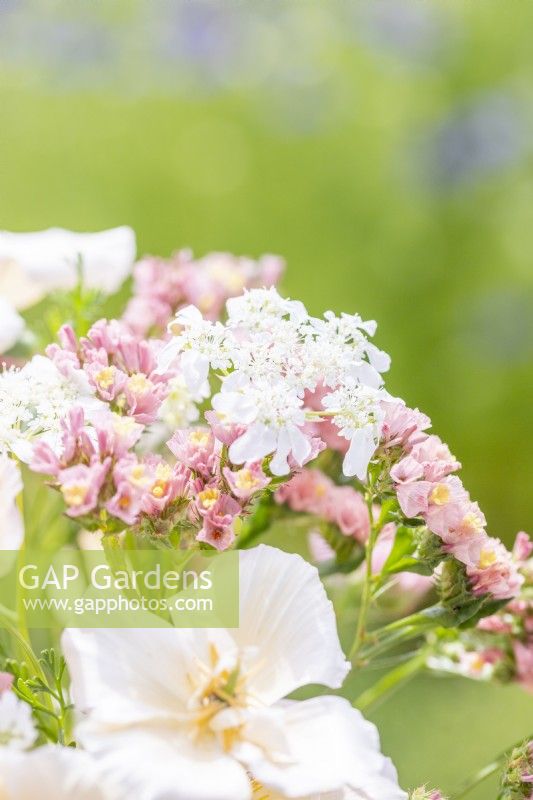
pixel 179 408
pixel 53 773
pixel 11 525
pixel 200 714
pixel 48 259
pixel 11 325
pixel 17 730
pixel 357 413
pixel 267 355
pixel 33 401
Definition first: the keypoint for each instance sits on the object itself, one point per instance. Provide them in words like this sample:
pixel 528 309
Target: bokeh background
pixel 383 147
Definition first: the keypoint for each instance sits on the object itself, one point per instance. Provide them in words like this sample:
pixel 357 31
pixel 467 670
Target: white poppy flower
pixel 52 773
pixel 11 524
pixel 11 325
pixel 182 714
pixel 49 258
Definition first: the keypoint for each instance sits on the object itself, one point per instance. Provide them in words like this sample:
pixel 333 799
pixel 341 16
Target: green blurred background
pixel 384 148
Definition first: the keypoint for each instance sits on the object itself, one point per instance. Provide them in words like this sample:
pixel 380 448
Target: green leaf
pixel 400 557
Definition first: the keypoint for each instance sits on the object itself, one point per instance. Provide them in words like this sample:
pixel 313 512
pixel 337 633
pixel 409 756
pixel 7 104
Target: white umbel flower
pixel 357 413
pixel 33 401
pixel 199 714
pixel 267 355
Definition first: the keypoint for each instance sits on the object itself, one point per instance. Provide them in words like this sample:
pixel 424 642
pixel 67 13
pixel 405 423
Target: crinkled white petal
pixel 53 773
pixel 329 746
pixel 132 676
pixel 50 257
pixel 286 614
pixel 160 764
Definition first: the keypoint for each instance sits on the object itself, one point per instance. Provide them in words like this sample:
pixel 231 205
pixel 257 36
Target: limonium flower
pixel 162 286
pixel 11 524
pixel 423 793
pixel 200 715
pixel 425 487
pixel 500 647
pixel 53 773
pixel 49 258
pixel 271 356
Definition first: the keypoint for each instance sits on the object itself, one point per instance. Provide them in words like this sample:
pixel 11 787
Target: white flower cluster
pixel 33 401
pixel 268 354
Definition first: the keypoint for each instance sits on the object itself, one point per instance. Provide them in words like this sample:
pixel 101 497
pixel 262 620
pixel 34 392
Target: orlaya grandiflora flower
pixel 199 714
pixel 48 259
pixel 268 355
pixel 33 402
pixel 52 773
pixel 11 525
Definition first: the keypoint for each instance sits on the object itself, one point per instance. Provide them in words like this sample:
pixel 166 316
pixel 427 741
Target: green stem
pixel 366 596
pixel 391 682
pixel 478 778
pixel 402 630
pixel 21 609
pixel 482 774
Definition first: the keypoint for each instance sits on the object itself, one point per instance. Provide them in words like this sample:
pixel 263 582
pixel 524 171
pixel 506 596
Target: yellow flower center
pixel 244 479
pixel 222 689
pixel 208 497
pixel 486 558
pixel 163 474
pixel 440 494
pixel 258 791
pixel 139 383
pixel 74 493
pixel 199 438
pixel 105 377
pixel 138 475
pixel 471 523
pixel 205 302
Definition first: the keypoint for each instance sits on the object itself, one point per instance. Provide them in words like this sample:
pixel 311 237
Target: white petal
pixel 285 613
pixel 331 747
pixel 195 367
pixel 256 443
pixel 52 773
pixel 361 450
pixel 378 358
pixel 161 765
pixel 300 445
pixel 167 355
pixel 127 676
pixel 366 374
pixel 11 325
pixel 50 257
pixel 279 464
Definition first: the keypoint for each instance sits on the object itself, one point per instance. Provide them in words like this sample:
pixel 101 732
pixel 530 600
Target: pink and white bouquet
pixel 212 415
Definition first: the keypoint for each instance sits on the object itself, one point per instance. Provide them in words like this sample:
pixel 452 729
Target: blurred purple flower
pixel 476 141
